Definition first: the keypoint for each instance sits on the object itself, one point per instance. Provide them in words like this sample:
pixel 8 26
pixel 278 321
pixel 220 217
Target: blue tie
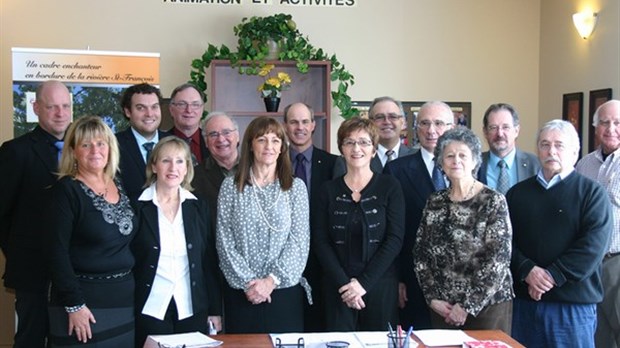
pixel 300 168
pixel 438 180
pixel 59 145
pixel 503 180
pixel 148 147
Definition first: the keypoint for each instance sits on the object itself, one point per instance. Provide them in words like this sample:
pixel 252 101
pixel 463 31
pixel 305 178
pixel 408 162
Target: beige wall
pixel 524 52
pixel 569 63
pixel 478 51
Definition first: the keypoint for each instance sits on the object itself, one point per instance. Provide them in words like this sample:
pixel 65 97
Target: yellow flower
pixel 272 86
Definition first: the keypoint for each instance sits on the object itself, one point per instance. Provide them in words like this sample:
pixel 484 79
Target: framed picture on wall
pixel 572 111
pixel 597 97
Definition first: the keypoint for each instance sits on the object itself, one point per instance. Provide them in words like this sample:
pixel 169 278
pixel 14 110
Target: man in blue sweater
pixel 561 230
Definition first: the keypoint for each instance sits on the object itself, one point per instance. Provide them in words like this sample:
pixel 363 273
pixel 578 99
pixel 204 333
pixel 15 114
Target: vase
pixel 272 104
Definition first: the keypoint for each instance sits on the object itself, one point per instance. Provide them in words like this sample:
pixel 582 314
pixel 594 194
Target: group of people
pixel 149 232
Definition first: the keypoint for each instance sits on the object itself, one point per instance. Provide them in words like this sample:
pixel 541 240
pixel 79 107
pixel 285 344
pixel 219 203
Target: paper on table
pixel 190 340
pixel 361 339
pixel 434 338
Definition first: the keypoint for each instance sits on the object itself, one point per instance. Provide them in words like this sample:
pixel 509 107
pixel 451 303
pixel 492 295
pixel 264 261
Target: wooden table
pixel 263 340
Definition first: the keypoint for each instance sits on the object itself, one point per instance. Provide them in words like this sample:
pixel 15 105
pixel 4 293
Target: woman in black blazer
pixel 177 277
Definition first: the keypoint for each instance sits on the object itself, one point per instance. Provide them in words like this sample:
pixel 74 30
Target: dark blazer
pixel 417 186
pixel 375 164
pixel 201 254
pixel 528 165
pixel 322 170
pixel 27 167
pixel 132 165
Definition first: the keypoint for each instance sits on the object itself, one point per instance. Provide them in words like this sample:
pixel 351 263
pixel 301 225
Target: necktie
pixel 59 145
pixel 438 180
pixel 300 168
pixel 503 182
pixel 391 155
pixel 148 147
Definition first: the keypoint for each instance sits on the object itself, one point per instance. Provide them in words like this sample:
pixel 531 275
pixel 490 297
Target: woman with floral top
pixel 263 236
pixel 463 246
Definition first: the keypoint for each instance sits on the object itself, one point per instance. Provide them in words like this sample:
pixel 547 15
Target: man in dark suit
pixel 314 166
pixel 415 174
pixel 27 167
pixel 504 165
pixel 389 117
pixel 221 134
pixel 141 106
pixel 186 107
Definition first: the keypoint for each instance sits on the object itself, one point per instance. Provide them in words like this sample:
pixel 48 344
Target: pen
pixel 408 337
pixel 399 332
pixel 212 330
pixel 392 335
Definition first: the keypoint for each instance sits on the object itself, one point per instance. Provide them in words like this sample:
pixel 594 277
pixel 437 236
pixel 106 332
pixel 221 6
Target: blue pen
pixel 392 335
pixel 408 337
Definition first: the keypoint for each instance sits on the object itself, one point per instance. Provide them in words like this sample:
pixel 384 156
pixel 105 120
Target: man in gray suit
pixel 389 116
pixel 504 165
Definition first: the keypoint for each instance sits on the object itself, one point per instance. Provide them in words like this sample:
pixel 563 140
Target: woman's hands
pixel 352 293
pixel 217 322
pixel 79 322
pixel 452 314
pixel 259 290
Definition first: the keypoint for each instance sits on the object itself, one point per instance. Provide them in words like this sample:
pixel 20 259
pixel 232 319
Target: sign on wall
pixel 95 79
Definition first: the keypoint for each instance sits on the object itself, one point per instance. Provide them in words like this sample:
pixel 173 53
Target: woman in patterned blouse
pixel 463 246
pixel 263 236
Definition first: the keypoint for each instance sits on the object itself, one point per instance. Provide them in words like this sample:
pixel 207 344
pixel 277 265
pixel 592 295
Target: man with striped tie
pixel 504 165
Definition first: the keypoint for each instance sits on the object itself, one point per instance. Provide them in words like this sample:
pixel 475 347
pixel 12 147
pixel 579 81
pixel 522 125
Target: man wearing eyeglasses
pixel 141 106
pixel 603 166
pixel 504 165
pixel 186 107
pixel 419 177
pixel 388 115
pixel 221 134
pixel 314 166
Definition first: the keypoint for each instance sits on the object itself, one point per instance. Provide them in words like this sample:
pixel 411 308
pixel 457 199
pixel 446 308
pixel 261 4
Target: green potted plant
pixel 255 36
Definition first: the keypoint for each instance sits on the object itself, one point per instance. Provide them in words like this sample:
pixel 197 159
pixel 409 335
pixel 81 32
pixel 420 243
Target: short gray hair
pixel 595 118
pixel 212 114
pixel 465 136
pixel 564 127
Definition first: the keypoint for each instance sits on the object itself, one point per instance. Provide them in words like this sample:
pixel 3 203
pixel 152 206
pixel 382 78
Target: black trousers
pixel 32 319
pixel 285 313
pixel 147 325
pixel 381 307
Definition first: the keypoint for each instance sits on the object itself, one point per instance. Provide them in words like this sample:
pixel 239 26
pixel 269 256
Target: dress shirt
pixel 607 173
pixel 172 275
pixel 493 169
pixel 193 141
pixel 142 140
pixel 554 180
pixel 429 162
pixel 308 162
pixel 381 150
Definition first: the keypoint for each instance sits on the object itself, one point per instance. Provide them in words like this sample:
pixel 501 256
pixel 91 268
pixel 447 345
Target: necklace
pixel 350 185
pixel 101 193
pixel 469 194
pixel 264 181
pixel 255 189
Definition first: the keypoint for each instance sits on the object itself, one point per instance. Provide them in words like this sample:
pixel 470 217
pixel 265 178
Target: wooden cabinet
pixel 237 94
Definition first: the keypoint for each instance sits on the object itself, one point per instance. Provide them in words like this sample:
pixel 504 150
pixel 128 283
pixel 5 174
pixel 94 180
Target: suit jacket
pixel 208 178
pixel 27 167
pixel 527 166
pixel 132 166
pixel 322 170
pixel 200 238
pixel 375 164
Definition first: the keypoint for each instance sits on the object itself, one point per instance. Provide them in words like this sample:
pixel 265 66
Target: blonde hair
pixel 177 144
pixel 84 129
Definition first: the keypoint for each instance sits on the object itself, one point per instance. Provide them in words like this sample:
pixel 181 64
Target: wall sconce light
pixel 585 23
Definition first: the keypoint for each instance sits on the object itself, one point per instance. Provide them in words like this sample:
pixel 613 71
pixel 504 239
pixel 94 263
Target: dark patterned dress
pixel 91 264
pixel 463 249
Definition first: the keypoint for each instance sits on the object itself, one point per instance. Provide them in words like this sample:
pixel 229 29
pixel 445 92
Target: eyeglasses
pixel 607 124
pixel 361 142
pixel 182 105
pixel 391 116
pixel 546 146
pixel 495 129
pixel 426 124
pixel 225 133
